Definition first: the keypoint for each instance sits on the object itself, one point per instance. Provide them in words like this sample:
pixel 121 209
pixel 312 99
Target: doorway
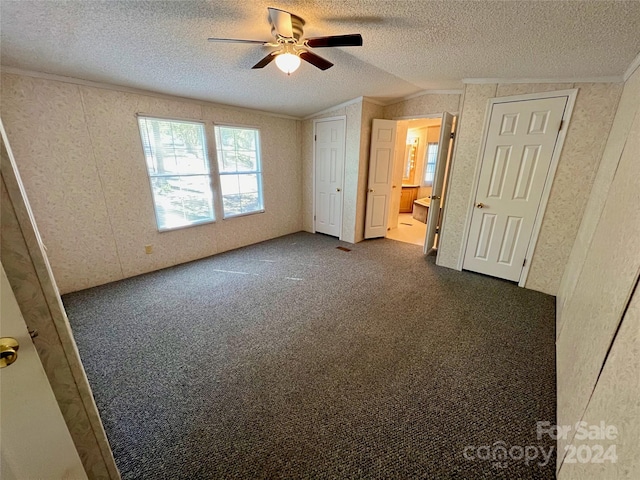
pixel 404 186
pixel 414 168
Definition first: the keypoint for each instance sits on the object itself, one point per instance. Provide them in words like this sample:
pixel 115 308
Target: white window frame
pixel 257 172
pixel 207 159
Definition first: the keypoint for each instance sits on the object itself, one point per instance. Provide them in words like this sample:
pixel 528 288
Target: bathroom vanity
pixel 408 196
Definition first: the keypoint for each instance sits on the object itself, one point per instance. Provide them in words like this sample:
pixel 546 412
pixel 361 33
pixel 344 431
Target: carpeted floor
pixel 294 359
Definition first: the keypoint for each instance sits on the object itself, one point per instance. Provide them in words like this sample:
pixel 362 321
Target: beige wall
pixel 593 112
pixel 359 115
pixel 78 150
pixel 29 273
pixel 423 105
pixel 596 289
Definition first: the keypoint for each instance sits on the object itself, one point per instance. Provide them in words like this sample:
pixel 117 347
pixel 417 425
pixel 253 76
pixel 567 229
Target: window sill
pixel 229 217
pixel 182 227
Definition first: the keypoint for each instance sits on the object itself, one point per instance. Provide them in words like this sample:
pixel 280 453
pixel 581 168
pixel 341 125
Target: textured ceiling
pixel 409 46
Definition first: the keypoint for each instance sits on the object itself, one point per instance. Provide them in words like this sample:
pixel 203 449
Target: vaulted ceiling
pixel 409 46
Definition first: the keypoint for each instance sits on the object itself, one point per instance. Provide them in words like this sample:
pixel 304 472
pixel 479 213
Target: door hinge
pixel 524 262
pixel 315 138
pixel 314 218
pixel 453 135
pixel 561 124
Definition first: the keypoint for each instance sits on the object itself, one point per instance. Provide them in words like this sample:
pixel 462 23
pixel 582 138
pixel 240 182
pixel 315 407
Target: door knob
pixel 8 351
pixel 435 197
pixel 480 205
pixel 371 190
pixel 338 190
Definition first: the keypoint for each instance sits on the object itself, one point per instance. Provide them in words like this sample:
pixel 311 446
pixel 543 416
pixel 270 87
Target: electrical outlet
pixel 148 249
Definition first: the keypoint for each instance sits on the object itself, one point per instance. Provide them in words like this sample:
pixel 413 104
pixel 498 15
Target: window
pixel 176 158
pixel 238 150
pixel 430 164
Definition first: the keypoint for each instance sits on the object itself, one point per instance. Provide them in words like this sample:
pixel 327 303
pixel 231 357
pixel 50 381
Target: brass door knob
pixel 480 205
pixel 8 351
pixel 371 190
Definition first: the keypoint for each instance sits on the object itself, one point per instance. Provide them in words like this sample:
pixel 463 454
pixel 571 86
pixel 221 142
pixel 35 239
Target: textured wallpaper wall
pixel 29 273
pixel 597 288
pixel 79 153
pixel 593 112
pixel 427 104
pixel 353 114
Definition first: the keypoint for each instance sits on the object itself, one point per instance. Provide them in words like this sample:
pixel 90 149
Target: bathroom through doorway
pixel 420 174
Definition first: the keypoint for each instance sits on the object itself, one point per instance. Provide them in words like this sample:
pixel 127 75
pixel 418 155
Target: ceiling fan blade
pixel 315 60
pixel 352 40
pixel 236 40
pixel 281 22
pixel 266 60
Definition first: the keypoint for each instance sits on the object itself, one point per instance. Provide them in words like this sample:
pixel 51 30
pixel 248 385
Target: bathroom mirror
pixel 410 160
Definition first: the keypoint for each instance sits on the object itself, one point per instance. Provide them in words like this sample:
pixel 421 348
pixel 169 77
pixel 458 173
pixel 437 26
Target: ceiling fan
pixel 291 47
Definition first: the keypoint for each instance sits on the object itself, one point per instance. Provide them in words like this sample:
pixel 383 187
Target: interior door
pixel 383 142
pixel 398 166
pixel 329 155
pixel 437 189
pixel 34 439
pixel 520 141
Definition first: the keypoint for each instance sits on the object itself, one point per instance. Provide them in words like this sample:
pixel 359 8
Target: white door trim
pixel 571 99
pixel 419 117
pixel 313 174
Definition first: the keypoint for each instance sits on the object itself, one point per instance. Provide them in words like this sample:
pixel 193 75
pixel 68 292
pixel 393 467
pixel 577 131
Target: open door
pixel 398 165
pixel 383 143
pixel 34 439
pixel 433 217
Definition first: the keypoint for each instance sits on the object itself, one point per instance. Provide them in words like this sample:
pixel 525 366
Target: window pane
pixel 182 201
pixel 238 151
pixel 248 183
pixel 229 184
pixel 232 205
pixel 172 147
pixel 430 166
pixel 227 161
pixel 247 161
pixel 251 202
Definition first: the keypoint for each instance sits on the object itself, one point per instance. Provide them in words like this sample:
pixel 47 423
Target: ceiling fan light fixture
pixel 288 62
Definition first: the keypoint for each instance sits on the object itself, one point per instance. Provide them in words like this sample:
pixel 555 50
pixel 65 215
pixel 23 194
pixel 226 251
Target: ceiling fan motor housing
pixel 297 25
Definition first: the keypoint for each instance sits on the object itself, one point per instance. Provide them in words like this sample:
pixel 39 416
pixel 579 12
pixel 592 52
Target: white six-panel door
pixel 520 142
pixel 383 139
pixel 329 158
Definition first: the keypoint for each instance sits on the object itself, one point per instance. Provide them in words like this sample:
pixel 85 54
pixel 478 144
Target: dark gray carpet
pixel 294 359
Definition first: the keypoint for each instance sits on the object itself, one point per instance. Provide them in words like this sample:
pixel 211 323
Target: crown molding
pixel 613 79
pixel 335 107
pixel 138 91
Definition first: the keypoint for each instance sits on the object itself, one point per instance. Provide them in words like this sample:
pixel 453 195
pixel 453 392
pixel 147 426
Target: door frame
pixel 571 95
pixel 431 116
pixel 313 176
